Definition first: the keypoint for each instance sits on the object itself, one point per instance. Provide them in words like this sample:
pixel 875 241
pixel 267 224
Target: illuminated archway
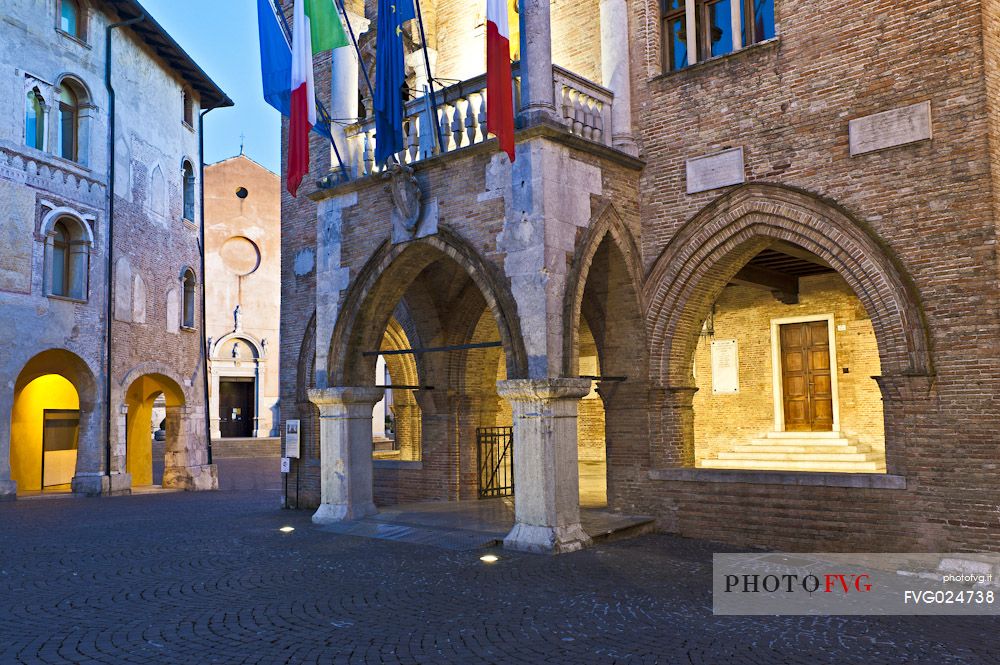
pixel 139 399
pixel 54 422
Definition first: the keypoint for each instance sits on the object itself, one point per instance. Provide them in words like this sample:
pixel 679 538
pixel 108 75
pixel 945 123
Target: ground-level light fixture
pixel 286 529
pixel 489 558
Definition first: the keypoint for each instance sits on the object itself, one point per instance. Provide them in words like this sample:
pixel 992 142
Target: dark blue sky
pixel 221 35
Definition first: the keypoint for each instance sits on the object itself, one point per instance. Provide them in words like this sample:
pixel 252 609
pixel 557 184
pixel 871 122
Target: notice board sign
pixel 292 438
pixel 725 367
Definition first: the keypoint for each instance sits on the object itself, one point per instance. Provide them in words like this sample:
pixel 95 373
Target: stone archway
pixel 55 380
pixel 445 287
pixel 186 464
pixel 708 251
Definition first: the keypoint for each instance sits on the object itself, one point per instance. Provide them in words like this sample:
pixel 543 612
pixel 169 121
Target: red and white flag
pixel 303 108
pixel 499 94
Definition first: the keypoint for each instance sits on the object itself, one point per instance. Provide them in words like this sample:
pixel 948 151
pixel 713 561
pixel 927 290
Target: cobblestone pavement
pixel 208 578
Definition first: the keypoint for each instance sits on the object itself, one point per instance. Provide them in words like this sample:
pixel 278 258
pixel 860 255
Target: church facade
pixel 101 280
pixel 739 277
pixel 243 296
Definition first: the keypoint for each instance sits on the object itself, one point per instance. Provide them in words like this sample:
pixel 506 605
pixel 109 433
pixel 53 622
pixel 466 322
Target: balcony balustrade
pixel 583 107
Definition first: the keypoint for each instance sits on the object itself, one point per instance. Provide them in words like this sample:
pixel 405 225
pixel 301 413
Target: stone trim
pixel 804 478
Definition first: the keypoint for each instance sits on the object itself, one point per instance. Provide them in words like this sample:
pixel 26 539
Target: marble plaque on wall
pixel 889 129
pixel 725 367
pixel 720 169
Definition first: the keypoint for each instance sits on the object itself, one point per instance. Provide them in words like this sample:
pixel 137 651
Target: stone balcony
pixel 583 108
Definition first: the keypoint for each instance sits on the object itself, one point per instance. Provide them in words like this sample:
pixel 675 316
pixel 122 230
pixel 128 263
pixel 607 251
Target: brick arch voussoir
pixel 709 249
pixel 155 368
pixel 368 294
pixel 305 377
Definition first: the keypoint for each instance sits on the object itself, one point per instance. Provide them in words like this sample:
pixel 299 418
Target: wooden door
pixel 806 377
pixel 236 400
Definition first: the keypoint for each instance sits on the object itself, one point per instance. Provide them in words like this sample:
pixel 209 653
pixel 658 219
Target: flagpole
pixel 319 104
pixel 430 77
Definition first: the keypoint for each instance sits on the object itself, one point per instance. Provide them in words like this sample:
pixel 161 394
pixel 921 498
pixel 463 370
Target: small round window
pixel 242 192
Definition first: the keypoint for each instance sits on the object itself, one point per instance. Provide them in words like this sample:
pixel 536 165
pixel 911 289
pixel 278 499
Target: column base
pixel 8 490
pixel 120 484
pixel 330 513
pixel 192 478
pixel 547 539
pixel 90 485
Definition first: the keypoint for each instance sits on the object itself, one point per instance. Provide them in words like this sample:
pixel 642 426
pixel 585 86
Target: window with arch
pixel 72 18
pixel 67 254
pixel 34 120
pixel 190 287
pixel 69 123
pixel 188 175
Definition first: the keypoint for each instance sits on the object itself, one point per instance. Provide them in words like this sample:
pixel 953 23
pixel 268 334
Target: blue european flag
pixel 389 77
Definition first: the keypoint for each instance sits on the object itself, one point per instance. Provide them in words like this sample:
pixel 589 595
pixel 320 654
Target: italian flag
pixel 316 27
pixel 499 96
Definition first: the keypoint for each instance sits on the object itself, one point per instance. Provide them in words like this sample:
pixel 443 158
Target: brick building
pixel 766 230
pixel 101 278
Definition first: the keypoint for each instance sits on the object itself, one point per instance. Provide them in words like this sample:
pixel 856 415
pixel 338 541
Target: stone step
pixel 804 435
pixel 809 465
pixel 796 447
pixel 796 457
pixel 789 441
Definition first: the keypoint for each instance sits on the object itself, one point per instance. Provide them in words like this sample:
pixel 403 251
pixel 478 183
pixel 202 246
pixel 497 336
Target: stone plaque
pixel 714 171
pixel 292 438
pixel 890 128
pixel 725 367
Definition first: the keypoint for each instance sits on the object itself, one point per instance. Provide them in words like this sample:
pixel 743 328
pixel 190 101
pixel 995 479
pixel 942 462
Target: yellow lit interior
pixel 50 391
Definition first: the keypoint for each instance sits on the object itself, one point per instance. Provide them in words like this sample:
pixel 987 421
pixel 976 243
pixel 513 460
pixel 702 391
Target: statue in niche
pixel 237 319
pixel 236 350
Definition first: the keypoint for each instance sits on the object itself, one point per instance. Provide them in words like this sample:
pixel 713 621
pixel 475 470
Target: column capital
pixel 327 398
pixel 543 390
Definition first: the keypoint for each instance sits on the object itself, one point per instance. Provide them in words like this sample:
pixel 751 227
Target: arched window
pixel 61 267
pixel 189 291
pixel 67 258
pixel 188 191
pixel 69 123
pixel 69 18
pixel 34 121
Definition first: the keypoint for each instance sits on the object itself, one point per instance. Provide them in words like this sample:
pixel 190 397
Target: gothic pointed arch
pixel 608 226
pixel 715 244
pixel 384 279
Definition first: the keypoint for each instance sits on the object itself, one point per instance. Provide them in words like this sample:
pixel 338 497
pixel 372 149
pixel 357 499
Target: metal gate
pixel 495 446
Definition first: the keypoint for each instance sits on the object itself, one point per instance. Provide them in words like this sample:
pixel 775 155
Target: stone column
pixel 536 61
pixel 615 73
pixel 185 464
pixel 91 478
pixel 546 476
pixel 213 402
pixel 345 452
pixel 8 488
pixel 344 77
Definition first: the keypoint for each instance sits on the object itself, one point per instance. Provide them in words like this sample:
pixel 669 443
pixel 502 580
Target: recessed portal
pixel 784 369
pixel 236 407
